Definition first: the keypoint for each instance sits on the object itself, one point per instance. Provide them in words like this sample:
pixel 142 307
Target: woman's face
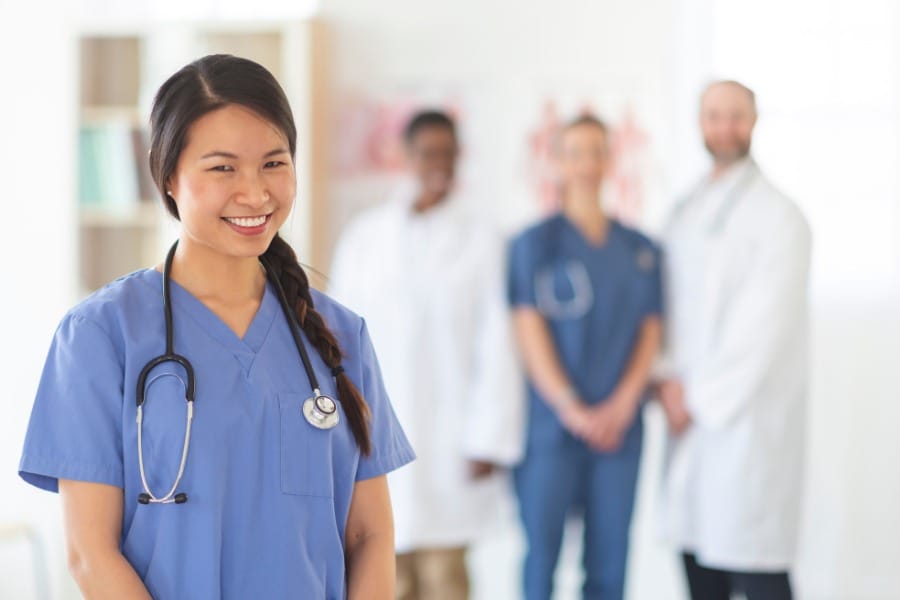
pixel 234 183
pixel 583 158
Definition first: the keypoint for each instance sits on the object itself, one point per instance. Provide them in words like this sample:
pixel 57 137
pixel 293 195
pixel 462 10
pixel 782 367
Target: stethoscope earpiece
pixel 145 498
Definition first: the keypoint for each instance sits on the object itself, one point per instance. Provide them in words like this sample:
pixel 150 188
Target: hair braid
pixel 283 261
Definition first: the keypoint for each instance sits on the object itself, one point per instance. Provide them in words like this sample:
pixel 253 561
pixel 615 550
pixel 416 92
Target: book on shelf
pixel 112 167
pixel 141 145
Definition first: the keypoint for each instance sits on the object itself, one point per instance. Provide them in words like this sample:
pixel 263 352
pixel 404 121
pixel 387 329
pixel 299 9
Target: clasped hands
pixel 603 426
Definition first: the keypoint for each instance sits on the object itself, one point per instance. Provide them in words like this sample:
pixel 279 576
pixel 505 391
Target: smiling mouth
pixel 247 221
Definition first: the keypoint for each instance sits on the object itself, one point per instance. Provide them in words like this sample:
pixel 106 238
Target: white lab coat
pixel 737 269
pixel 431 288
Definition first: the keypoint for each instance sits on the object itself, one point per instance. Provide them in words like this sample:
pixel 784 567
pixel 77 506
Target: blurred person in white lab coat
pixel 427 274
pixel 738 256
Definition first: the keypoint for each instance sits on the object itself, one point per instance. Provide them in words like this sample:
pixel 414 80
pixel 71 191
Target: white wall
pixel 502 59
pixel 37 245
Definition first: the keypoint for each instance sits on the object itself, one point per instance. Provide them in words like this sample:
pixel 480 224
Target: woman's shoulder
pixel 536 231
pixel 635 238
pixel 340 319
pixel 350 330
pixel 127 298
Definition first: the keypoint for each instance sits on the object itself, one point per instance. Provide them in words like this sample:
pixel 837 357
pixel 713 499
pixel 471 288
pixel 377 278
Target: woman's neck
pixel 585 212
pixel 208 274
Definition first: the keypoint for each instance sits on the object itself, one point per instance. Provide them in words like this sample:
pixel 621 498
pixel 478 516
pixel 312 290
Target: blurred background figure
pixel 738 255
pixel 585 292
pixel 427 275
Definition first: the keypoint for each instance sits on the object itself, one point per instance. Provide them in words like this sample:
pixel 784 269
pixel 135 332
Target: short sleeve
pixel 654 302
pixel 390 448
pixel 75 430
pixel 520 273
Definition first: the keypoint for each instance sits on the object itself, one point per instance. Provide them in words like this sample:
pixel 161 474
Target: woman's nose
pixel 252 191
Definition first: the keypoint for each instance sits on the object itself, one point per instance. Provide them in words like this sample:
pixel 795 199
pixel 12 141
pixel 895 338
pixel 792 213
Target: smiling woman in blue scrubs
pixel 276 507
pixel 585 292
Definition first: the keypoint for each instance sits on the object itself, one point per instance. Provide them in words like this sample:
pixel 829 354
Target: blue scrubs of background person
pixel 585 292
pixel 276 507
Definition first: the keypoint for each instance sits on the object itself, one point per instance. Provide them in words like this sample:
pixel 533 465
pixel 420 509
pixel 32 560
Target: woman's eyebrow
pixel 223 154
pixel 220 154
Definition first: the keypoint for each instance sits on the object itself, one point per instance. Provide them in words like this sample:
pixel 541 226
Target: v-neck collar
pixel 185 302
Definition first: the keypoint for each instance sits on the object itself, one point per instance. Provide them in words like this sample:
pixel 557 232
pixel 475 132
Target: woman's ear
pixel 171 185
pixel 170 201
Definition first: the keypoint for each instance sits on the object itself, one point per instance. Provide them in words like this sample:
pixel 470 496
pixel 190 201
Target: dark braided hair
pixel 214 82
pixel 280 257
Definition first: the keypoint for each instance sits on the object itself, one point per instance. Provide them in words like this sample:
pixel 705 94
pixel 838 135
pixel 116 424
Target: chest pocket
pixel 311 458
pixel 563 290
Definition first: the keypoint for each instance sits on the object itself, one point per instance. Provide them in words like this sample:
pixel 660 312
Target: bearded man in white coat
pixel 738 256
pixel 427 274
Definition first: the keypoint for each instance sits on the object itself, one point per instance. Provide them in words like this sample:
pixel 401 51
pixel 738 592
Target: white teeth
pixel 247 221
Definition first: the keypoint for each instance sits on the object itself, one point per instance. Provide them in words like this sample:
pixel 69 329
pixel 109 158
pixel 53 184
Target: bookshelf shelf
pixel 146 214
pixel 101 114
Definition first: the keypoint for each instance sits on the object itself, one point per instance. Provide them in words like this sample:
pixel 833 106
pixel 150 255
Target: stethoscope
pixel 576 275
pixel 320 410
pixel 582 292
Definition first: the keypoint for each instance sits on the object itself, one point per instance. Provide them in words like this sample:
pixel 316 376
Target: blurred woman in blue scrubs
pixel 585 292
pixel 276 507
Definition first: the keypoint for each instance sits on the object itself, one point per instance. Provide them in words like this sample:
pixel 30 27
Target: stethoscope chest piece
pixel 321 411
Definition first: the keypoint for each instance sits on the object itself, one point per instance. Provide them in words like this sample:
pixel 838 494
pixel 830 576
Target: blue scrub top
pixel 268 493
pixel 594 299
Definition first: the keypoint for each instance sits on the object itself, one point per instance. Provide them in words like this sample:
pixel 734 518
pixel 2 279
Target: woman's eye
pixel 222 168
pixel 274 163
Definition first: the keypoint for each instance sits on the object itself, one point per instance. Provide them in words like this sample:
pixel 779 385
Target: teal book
pixel 119 175
pixel 89 193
